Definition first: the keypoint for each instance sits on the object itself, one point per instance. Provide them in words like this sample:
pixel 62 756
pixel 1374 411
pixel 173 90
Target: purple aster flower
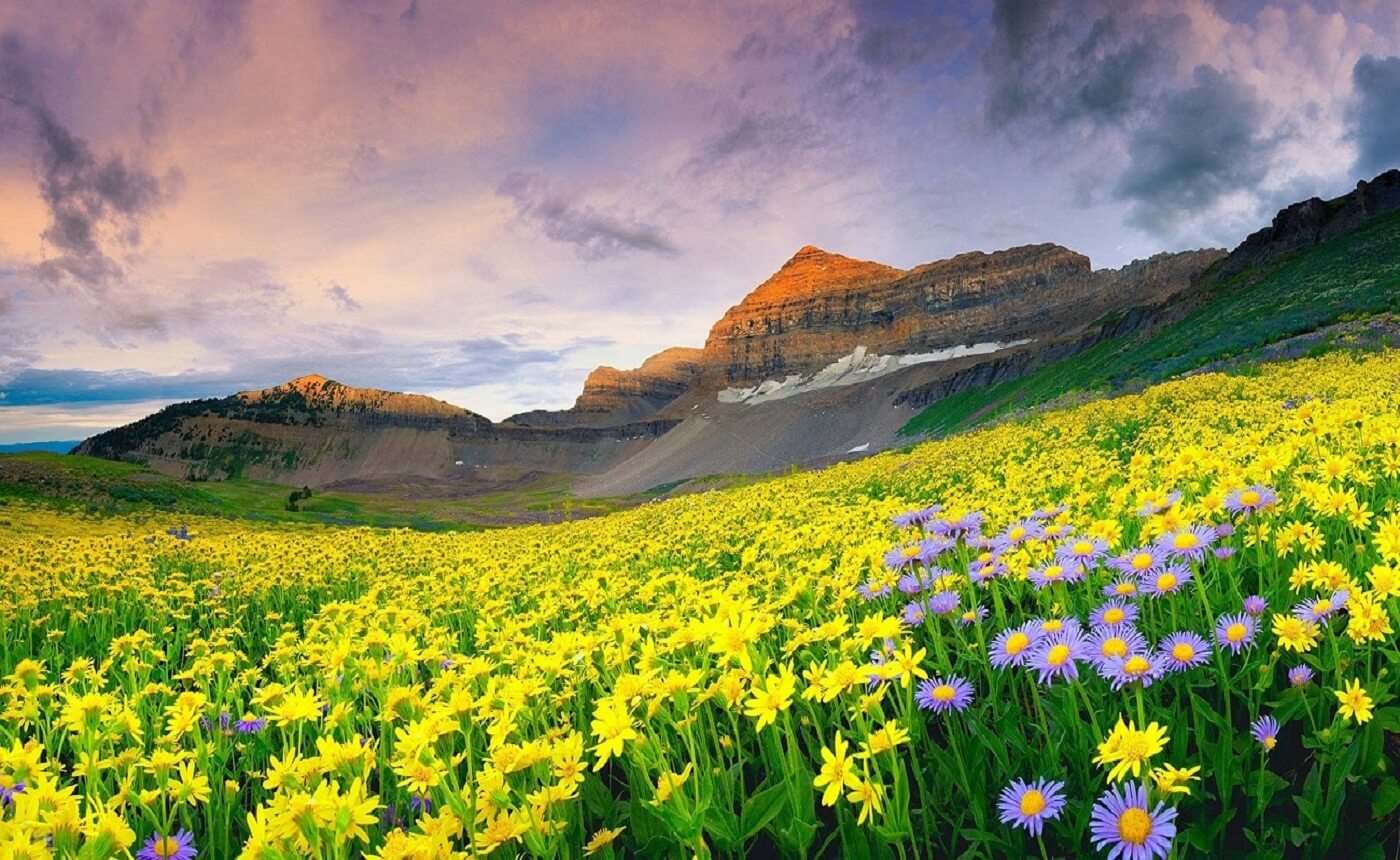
pixel 1223 552
pixel 917 517
pixel 1235 632
pixel 1323 607
pixel 1255 605
pixel 969 524
pixel 1044 577
pixel 1151 507
pixel 250 724
pixel 1224 530
pixel 1190 542
pixel 1123 586
pixel 1251 499
pixel 1028 805
pixel 1113 614
pixel 1112 643
pixel 177 847
pixel 914 613
pixel 1167 580
pixel 872 590
pixel 1137 562
pixel 978 573
pixel 1019 532
pixel 1013 646
pixel 7 794
pixel 940 696
pixel 421 804
pixel 1301 675
pixel 1265 731
pixel 1082 551
pixel 972 616
pixel 1140 668
pixel 1124 825
pixel 1184 650
pixel 910 583
pixel 904 556
pixel 1058 655
pixel 943 603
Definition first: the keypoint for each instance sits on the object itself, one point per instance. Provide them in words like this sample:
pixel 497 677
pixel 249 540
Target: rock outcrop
pixel 611 396
pixel 821 306
pixel 1313 221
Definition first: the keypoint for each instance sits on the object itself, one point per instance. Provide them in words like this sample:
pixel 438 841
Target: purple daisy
pixel 1048 626
pixel 1255 605
pixel 1114 613
pixel 1265 731
pixel 1044 577
pixel 1127 827
pixel 869 591
pixel 1167 580
pixel 905 555
pixel 1223 552
pixel 1151 508
pixel 972 616
pixel 1184 650
pixel 1235 632
pixel 1138 668
pixel 1323 607
pixel 916 517
pixel 943 603
pixel 1058 655
pixel 1251 499
pixel 1020 532
pixel 1123 586
pixel 1136 562
pixel 1013 646
pixel 978 572
pixel 7 793
pixel 914 613
pixel 1301 675
pixel 1028 805
pixel 177 847
pixel 912 583
pixel 939 695
pixel 250 724
pixel 1190 542
pixel 1224 530
pixel 1115 643
pixel 1082 551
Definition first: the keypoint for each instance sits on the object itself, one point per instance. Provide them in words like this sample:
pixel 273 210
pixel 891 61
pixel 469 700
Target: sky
pixel 483 201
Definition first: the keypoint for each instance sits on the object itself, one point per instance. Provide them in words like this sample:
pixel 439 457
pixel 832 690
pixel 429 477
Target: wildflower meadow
pixel 1161 625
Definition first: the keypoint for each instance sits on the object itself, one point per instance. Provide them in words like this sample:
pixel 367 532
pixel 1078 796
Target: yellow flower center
pixel 1249 497
pixel 1185 540
pixel 910 551
pixel 1236 632
pixel 1017 643
pixel 1032 802
pixel 1166 582
pixel 1126 588
pixel 1142 561
pixel 1017 532
pixel 1183 651
pixel 1052 626
pixel 1054 571
pixel 1270 742
pixel 944 693
pixel 1114 647
pixel 1058 655
pixel 1134 825
pixel 1083 547
pixel 1113 616
pixel 1136 665
pixel 1322 606
pixel 166 847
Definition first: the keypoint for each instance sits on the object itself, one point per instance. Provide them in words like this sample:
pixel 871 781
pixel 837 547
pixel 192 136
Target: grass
pixel 1356 274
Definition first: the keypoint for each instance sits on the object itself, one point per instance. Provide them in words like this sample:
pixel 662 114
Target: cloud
pixel 596 233
pixel 1374 114
pixel 342 298
pixel 1202 144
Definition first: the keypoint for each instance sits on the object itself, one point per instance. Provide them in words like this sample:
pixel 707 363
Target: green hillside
pixel 1354 275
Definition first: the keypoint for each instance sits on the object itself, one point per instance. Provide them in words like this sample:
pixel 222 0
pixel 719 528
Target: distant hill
pixel 54 447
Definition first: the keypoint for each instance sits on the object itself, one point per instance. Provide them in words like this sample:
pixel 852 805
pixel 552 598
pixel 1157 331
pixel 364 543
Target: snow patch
pixel 859 449
pixel 857 367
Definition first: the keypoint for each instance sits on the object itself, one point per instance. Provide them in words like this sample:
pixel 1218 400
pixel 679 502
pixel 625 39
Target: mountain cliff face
pixel 819 306
pixel 611 396
pixel 1313 221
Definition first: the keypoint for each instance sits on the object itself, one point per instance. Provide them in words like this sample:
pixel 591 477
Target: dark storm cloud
pixel 341 297
pixel 1202 143
pixel 595 233
pixel 1374 116
pixel 906 34
pixel 1060 63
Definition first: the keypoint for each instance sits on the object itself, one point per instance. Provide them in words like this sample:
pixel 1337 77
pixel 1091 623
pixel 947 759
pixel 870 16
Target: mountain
pixel 830 357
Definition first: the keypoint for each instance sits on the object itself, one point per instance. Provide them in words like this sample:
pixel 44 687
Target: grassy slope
pixel 110 487
pixel 1351 275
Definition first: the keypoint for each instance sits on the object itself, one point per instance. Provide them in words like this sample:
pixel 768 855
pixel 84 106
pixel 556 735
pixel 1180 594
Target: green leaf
pixel 761 808
pixel 1386 799
pixel 722 825
pixel 1388 719
pixel 854 844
